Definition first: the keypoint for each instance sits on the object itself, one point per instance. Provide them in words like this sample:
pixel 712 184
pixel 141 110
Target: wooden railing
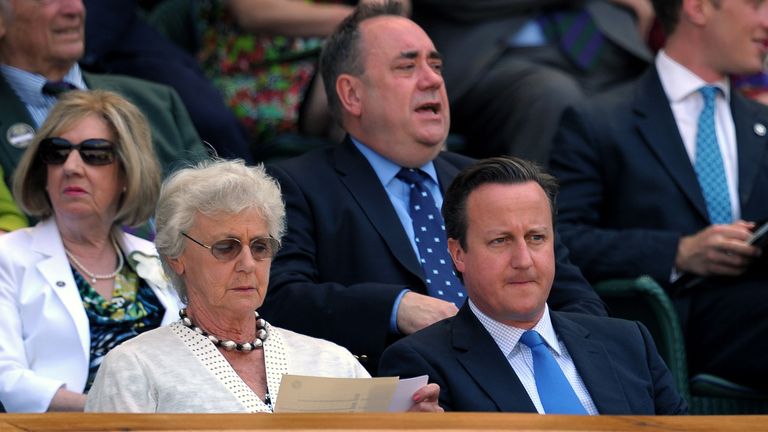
pixel 71 422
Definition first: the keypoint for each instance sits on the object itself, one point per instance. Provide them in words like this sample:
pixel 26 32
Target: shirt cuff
pixel 393 318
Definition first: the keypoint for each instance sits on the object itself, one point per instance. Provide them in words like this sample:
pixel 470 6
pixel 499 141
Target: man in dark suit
pixel 499 217
pixel 349 268
pixel 513 66
pixel 636 198
pixel 42 41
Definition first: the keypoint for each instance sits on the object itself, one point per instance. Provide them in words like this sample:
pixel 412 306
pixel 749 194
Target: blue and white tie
pixel 709 162
pixel 429 233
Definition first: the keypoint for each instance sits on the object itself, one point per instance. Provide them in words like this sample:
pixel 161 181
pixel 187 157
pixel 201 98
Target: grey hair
pixel 213 187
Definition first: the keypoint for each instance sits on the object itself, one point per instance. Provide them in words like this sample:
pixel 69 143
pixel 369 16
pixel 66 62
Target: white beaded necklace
pixel 230 345
pixel 93 276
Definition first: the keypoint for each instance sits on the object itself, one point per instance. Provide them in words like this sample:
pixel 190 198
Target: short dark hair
pixel 667 13
pixel 342 52
pixel 498 170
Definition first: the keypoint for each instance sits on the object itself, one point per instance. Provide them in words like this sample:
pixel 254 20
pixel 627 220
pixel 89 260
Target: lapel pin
pixel 760 129
pixel 20 135
pixel 60 283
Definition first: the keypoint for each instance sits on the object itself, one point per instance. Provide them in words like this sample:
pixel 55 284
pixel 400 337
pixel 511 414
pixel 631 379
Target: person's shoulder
pixel 615 329
pixel 127 86
pixel 429 338
pixel 151 342
pixel 294 340
pixel 456 159
pixel 311 160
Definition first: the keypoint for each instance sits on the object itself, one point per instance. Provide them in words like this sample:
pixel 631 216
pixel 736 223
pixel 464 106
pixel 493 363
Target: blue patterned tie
pixel 556 394
pixel 709 162
pixel 429 233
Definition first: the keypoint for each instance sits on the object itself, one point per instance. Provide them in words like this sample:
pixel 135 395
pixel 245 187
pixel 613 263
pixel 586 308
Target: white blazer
pixel 44 331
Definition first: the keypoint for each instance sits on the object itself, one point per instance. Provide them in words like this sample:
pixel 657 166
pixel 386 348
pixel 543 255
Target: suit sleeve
pixel 582 161
pixel 355 316
pixel 667 399
pixel 403 360
pixel 570 291
pixel 11 217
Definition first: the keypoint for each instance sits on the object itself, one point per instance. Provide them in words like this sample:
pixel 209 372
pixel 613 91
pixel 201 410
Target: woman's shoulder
pixel 313 356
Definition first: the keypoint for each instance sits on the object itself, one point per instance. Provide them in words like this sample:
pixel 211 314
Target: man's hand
pixel 425 399
pixel 417 311
pixel 720 250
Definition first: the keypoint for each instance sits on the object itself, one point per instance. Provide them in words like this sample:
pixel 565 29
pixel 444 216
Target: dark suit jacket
pixel 345 257
pixel 629 191
pixel 616 359
pixel 471 34
pixel 173 134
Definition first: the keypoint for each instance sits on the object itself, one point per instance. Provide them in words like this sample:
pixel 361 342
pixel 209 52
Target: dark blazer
pixel 616 359
pixel 345 257
pixel 629 191
pixel 470 34
pixel 173 134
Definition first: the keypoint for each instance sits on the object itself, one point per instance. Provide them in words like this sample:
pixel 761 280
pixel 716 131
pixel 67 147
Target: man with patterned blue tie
pixel 506 350
pixel 365 260
pixel 669 177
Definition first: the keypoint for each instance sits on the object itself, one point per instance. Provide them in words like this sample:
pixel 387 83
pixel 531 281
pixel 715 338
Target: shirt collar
pixel 385 169
pixel 29 86
pixel 507 337
pixel 680 82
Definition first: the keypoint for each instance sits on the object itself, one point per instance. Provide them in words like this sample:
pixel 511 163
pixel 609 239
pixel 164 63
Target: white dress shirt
pixel 520 357
pixel 682 88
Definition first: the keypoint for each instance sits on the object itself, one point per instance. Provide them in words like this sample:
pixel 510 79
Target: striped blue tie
pixel 429 233
pixel 709 162
pixel 556 394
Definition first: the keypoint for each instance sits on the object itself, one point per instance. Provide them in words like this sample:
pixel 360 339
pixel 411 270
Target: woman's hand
pixel 425 399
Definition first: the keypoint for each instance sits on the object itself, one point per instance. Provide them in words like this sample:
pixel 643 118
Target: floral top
pixel 133 309
pixel 262 78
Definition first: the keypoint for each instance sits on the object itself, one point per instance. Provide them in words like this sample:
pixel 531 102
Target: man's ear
pixel 349 89
pixel 457 254
pixel 696 11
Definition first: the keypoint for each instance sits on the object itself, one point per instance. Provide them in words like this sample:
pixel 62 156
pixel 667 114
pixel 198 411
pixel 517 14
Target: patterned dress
pixel 263 79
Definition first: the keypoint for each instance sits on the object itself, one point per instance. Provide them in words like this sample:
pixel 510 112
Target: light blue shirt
pixel 399 195
pixel 520 357
pixel 530 34
pixel 28 87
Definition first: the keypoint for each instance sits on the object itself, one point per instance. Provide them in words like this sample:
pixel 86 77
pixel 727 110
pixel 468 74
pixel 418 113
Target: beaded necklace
pixel 93 276
pixel 230 345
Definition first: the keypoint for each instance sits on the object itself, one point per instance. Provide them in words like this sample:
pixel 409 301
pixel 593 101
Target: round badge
pixel 760 129
pixel 60 283
pixel 20 135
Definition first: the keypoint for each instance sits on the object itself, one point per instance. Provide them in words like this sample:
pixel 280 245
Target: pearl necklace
pixel 93 276
pixel 229 345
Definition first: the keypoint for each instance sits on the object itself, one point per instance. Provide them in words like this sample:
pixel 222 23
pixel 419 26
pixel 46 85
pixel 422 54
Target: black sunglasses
pixel 94 151
pixel 229 248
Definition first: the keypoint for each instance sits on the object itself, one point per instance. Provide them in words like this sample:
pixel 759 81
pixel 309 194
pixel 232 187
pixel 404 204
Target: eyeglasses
pixel 229 248
pixel 94 151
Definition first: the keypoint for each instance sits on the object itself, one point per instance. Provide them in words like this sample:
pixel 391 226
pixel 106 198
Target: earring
pixel 125 189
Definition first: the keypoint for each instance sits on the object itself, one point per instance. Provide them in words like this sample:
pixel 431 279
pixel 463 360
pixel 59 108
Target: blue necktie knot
pixel 412 176
pixel 556 394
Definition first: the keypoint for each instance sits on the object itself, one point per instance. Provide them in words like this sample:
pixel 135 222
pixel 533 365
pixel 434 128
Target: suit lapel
pixel 487 365
pixel 656 123
pixel 56 270
pixel 361 181
pixel 751 146
pixel 13 114
pixel 593 364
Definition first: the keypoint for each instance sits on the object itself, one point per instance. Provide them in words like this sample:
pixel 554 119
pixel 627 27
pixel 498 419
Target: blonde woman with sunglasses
pixel 75 285
pixel 218 226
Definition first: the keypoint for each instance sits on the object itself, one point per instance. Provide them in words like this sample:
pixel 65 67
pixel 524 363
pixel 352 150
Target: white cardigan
pixel 44 331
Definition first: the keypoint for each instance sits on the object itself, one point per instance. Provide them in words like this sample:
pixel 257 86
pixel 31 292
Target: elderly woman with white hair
pixel 218 226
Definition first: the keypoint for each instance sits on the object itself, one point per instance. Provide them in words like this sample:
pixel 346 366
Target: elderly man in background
pixel 40 44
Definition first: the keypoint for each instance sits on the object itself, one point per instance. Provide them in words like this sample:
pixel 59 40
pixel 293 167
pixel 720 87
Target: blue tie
pixel 57 88
pixel 429 233
pixel 556 394
pixel 709 162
